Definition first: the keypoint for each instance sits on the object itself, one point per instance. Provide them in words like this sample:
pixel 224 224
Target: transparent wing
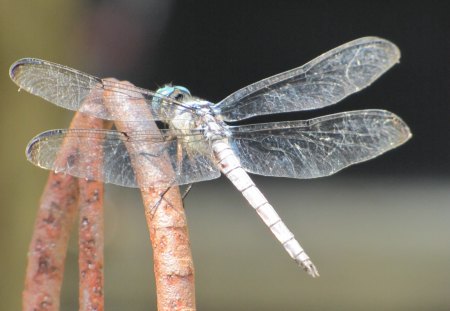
pixel 190 158
pixel 78 91
pixel 321 82
pixel 317 147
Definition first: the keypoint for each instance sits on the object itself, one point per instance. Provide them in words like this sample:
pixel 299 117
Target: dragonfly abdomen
pixel 230 167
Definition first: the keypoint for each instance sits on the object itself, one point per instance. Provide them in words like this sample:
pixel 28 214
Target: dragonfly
pixel 201 139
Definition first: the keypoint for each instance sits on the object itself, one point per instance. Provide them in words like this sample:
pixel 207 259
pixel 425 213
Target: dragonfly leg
pixel 161 198
pixel 158 202
pixel 186 191
pixel 173 181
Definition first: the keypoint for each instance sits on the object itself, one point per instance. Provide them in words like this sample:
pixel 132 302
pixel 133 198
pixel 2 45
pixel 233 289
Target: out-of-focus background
pixel 379 231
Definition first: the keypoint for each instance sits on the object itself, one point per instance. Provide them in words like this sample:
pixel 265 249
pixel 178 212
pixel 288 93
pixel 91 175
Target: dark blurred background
pixel 378 231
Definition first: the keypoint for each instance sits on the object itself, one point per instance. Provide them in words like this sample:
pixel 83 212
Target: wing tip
pixel 401 130
pixel 391 48
pixel 32 145
pixel 404 132
pixel 15 67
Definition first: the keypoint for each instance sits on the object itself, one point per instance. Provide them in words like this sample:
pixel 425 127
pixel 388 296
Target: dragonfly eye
pixel 180 92
pixel 179 97
pixel 175 92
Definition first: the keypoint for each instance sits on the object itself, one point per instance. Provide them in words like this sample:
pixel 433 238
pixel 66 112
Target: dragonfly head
pixel 173 91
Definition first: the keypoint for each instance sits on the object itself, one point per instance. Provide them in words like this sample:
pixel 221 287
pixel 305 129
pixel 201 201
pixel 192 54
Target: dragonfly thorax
pixel 198 115
pixel 193 113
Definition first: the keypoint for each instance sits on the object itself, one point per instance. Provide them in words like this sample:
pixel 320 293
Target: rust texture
pixel 173 264
pixel 90 244
pixel 47 250
pixel 90 230
pixel 166 220
pixel 55 218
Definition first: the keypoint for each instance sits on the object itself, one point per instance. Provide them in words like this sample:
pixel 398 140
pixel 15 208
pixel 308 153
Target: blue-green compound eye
pixel 168 90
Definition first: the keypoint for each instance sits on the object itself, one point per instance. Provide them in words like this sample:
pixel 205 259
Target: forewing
pixel 317 147
pixel 188 163
pixel 78 91
pixel 322 82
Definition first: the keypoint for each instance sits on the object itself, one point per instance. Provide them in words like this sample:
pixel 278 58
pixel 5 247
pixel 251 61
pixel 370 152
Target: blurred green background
pixel 378 232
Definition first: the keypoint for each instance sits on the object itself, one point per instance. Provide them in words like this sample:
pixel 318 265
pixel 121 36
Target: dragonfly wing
pixel 149 151
pixel 78 91
pixel 322 82
pixel 317 147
